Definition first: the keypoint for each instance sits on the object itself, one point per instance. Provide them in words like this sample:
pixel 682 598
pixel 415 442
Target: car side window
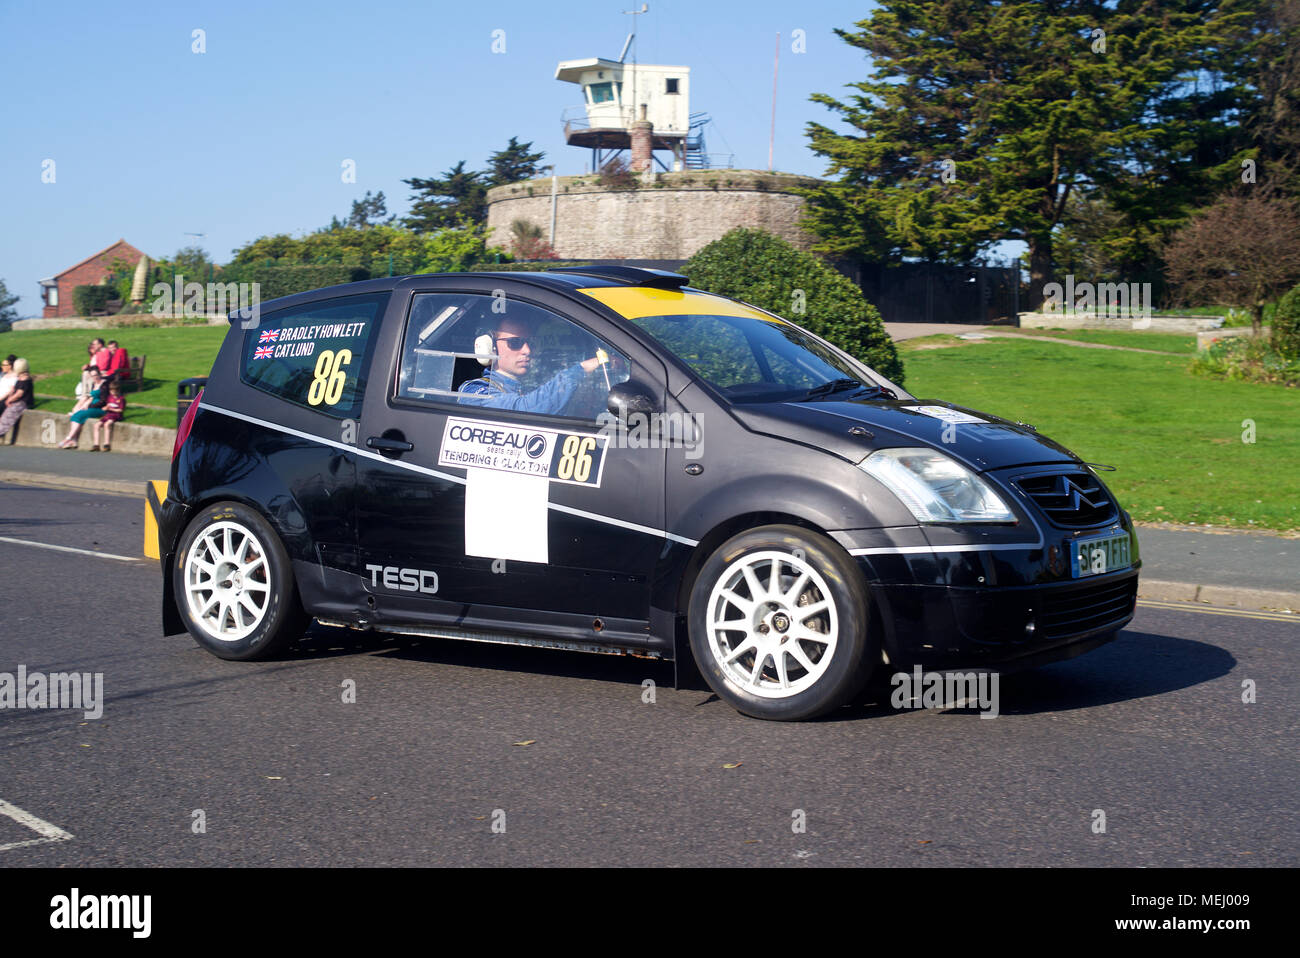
pixel 474 350
pixel 316 355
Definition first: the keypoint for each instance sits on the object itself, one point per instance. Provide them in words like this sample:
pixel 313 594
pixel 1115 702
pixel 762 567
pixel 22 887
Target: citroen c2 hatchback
pixel 606 459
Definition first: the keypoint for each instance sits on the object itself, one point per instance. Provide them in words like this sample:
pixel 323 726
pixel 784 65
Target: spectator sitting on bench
pixel 99 359
pixel 113 409
pixel 18 398
pixel 119 363
pixel 87 407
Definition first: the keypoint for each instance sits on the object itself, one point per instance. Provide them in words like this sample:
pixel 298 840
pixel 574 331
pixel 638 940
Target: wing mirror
pixel 632 397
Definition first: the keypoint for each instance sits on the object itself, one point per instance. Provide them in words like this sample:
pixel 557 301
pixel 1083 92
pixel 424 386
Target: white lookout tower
pixel 639 107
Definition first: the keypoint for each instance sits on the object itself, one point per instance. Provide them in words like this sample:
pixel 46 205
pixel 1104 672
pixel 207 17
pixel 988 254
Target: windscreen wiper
pixel 834 386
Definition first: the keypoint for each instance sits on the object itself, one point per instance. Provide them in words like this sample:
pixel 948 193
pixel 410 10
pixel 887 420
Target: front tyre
pixel 778 623
pixel 234 585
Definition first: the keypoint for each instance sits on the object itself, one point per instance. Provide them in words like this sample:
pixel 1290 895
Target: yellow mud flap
pixel 155 491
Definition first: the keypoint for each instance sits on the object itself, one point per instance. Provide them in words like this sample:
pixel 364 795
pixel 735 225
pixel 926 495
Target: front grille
pixel 1063 613
pixel 1072 500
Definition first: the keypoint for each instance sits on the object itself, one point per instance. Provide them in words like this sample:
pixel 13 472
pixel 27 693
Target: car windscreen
pixel 751 359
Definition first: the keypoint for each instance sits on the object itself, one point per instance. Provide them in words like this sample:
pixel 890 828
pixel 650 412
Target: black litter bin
pixel 187 390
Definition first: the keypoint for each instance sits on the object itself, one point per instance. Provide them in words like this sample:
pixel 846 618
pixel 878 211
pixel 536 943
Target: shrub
pixel 527 242
pixel 279 281
pixel 1286 325
pixel 615 175
pixel 89 299
pixel 121 274
pixel 1246 359
pixel 769 273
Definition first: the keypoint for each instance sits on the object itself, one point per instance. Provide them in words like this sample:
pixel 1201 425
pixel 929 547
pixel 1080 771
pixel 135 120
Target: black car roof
pixel 562 279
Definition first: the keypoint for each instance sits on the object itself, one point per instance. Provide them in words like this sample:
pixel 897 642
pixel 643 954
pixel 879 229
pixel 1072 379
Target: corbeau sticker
pixel 575 458
pixel 946 414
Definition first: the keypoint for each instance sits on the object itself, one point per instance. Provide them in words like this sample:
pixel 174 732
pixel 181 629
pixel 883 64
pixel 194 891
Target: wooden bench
pixel 135 378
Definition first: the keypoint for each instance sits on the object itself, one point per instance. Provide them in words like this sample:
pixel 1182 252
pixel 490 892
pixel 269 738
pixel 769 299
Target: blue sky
pixel 152 141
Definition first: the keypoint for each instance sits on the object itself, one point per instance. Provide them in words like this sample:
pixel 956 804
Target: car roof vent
pixel 632 275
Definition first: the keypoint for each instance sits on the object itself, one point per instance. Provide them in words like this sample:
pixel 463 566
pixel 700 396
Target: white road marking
pixel 84 552
pixel 48 832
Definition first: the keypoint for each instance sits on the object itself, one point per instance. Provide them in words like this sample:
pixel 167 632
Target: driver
pixel 500 386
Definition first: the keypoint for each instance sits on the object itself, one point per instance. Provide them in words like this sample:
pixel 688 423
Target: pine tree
pixel 367 212
pixel 981 120
pixel 512 164
pixel 7 313
pixel 1273 116
pixel 459 196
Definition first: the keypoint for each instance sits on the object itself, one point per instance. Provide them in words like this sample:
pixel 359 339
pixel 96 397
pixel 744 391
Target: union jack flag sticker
pixel 269 336
pixel 263 352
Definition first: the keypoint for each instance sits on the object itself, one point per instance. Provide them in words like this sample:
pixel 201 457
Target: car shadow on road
pixel 325 641
pixel 1136 665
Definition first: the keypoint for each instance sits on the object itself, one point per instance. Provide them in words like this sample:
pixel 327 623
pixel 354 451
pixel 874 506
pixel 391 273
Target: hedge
pixel 89 299
pixel 277 281
pixel 767 272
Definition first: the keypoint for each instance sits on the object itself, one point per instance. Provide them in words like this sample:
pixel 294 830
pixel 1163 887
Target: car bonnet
pixel 853 429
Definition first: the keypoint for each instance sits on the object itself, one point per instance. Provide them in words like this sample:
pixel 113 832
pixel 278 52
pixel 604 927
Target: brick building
pixel 56 292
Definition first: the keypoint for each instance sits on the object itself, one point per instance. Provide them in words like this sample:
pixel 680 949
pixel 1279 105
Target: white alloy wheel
pixel 772 624
pixel 227 581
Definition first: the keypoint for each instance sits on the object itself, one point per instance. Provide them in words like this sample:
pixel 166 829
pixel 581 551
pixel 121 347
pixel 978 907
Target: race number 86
pixel 330 377
pixel 575 458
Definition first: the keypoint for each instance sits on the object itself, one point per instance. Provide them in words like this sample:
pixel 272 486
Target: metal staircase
pixel 697 157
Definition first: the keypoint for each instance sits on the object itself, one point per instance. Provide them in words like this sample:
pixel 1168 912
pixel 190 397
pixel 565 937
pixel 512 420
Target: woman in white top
pixel 7 377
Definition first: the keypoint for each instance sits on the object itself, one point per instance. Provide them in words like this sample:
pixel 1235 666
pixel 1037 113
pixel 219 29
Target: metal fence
pixel 928 293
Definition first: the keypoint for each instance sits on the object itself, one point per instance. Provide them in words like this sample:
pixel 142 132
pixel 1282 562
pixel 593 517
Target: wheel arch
pixel 723 531
pixel 173 624
pixel 287 539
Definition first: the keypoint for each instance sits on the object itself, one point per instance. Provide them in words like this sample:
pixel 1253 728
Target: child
pixel 113 409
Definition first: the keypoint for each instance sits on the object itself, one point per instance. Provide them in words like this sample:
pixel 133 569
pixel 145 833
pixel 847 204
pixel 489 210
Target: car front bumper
pixel 950 627
pixel 952 598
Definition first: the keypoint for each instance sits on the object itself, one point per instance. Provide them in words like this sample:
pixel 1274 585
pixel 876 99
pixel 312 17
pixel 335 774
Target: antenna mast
pixel 631 39
pixel 776 66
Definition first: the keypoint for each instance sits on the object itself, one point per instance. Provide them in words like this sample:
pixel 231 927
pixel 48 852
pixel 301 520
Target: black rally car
pixel 606 459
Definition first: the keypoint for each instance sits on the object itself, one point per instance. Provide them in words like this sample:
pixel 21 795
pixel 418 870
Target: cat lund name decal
pixel 574 458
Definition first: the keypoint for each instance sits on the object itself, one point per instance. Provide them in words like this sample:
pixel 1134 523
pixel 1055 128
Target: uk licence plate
pixel 1097 556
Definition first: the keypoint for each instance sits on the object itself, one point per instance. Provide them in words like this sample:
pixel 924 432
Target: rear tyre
pixel 234 585
pixel 778 623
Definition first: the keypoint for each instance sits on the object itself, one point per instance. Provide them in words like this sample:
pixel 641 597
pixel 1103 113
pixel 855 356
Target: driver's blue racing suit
pixel 502 391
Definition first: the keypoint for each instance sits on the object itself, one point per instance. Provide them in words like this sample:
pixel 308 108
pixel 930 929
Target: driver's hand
pixel 600 359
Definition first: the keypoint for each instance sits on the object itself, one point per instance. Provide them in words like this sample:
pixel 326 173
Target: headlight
pixel 936 488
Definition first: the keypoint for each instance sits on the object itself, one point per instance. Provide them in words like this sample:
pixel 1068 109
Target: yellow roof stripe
pixel 634 302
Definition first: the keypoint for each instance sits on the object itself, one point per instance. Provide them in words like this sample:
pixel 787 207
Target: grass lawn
pixel 1175 438
pixel 1138 339
pixel 57 355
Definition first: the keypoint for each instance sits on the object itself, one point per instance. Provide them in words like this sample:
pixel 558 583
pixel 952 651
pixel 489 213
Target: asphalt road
pixel 1151 730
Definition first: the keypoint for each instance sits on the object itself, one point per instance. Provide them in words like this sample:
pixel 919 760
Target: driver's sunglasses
pixel 515 343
